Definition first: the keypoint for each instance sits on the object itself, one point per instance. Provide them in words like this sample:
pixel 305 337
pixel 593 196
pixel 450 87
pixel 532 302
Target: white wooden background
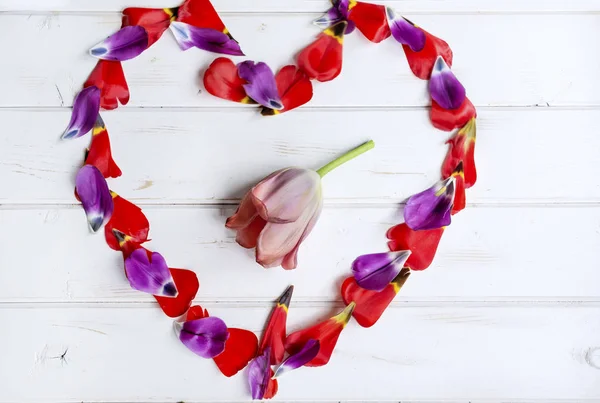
pixel 510 309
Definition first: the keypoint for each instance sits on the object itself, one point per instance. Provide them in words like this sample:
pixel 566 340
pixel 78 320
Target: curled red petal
pixel 221 80
pixel 294 87
pixel 423 244
pixel 196 312
pixel 187 286
pixel 421 62
pixel 272 387
pixel 322 59
pixel 201 14
pixel 370 305
pixel 371 20
pixel 130 221
pixel 460 198
pixel 154 20
pixel 448 120
pixel 462 149
pixel 99 154
pixel 109 77
pixel 275 330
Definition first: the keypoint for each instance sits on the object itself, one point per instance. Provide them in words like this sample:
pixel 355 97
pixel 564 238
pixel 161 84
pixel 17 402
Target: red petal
pixel 448 120
pixel 196 312
pixel 294 87
pixel 322 59
pixel 423 244
pixel 187 285
pixel 272 387
pixel 109 77
pixel 462 149
pixel 154 20
pixel 275 330
pixel 421 62
pixel 240 348
pixel 201 14
pixel 221 80
pixel 460 198
pixel 326 332
pixel 130 220
pixel 371 20
pixel 370 305
pixel 99 154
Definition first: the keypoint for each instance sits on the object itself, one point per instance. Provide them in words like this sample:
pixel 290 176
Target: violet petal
pixel 261 85
pixel 375 271
pixel 302 357
pixel 405 31
pixel 205 337
pixel 92 189
pixel 211 40
pixel 86 108
pixel 125 44
pixel 150 275
pixel 444 87
pixel 431 208
pixel 259 371
pixel 338 12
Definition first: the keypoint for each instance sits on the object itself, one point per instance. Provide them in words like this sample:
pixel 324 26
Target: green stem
pixel 345 158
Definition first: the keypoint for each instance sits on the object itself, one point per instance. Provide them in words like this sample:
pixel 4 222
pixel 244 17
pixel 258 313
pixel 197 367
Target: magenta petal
pixel 211 40
pixel 205 337
pixel 405 31
pixel 302 357
pixel 92 189
pixel 444 87
pixel 85 112
pixel 259 373
pixel 377 270
pixel 431 208
pixel 149 274
pixel 125 44
pixel 261 85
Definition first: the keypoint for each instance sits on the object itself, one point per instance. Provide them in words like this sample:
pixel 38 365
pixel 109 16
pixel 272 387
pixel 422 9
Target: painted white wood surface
pixel 509 311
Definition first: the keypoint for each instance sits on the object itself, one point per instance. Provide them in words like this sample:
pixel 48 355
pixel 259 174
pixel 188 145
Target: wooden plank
pixel 523 156
pixel 467 353
pixel 489 254
pixel 519 67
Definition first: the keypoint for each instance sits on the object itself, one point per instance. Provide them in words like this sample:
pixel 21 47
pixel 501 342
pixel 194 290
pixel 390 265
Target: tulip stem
pixel 346 157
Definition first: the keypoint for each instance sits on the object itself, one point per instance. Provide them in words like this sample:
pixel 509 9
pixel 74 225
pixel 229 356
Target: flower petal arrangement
pixel 278 213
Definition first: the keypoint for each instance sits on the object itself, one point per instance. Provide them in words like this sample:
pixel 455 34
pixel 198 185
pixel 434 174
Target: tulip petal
pixel 462 150
pixel 430 208
pixel 422 244
pixel 92 189
pixel 448 120
pixel 272 386
pixel 129 220
pixel 240 348
pixel 460 198
pixel 377 270
pixel 125 44
pixel 201 14
pixel 302 357
pixel 86 107
pixel 294 87
pixel 109 77
pixel 150 274
pixel 208 39
pixel 154 20
pixel 370 305
pixel 327 333
pixel 322 59
pixel 196 312
pixel 186 283
pixel 371 20
pixel 337 13
pixel 274 335
pixel 290 261
pixel 260 85
pixel 99 154
pixel 221 79
pixel 205 337
pixel 405 31
pixel 259 373
pixel 444 87
pixel 421 62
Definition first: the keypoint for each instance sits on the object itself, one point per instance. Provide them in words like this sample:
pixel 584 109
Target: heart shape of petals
pixel 150 274
pixel 205 337
pixel 125 44
pixel 95 197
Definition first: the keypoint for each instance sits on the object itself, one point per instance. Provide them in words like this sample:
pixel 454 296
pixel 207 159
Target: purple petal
pixel 211 40
pixel 377 270
pixel 206 337
pixel 444 87
pixel 259 371
pixel 150 275
pixel 405 31
pixel 125 44
pixel 85 111
pixel 92 190
pixel 302 357
pixel 261 85
pixel 431 208
pixel 337 13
